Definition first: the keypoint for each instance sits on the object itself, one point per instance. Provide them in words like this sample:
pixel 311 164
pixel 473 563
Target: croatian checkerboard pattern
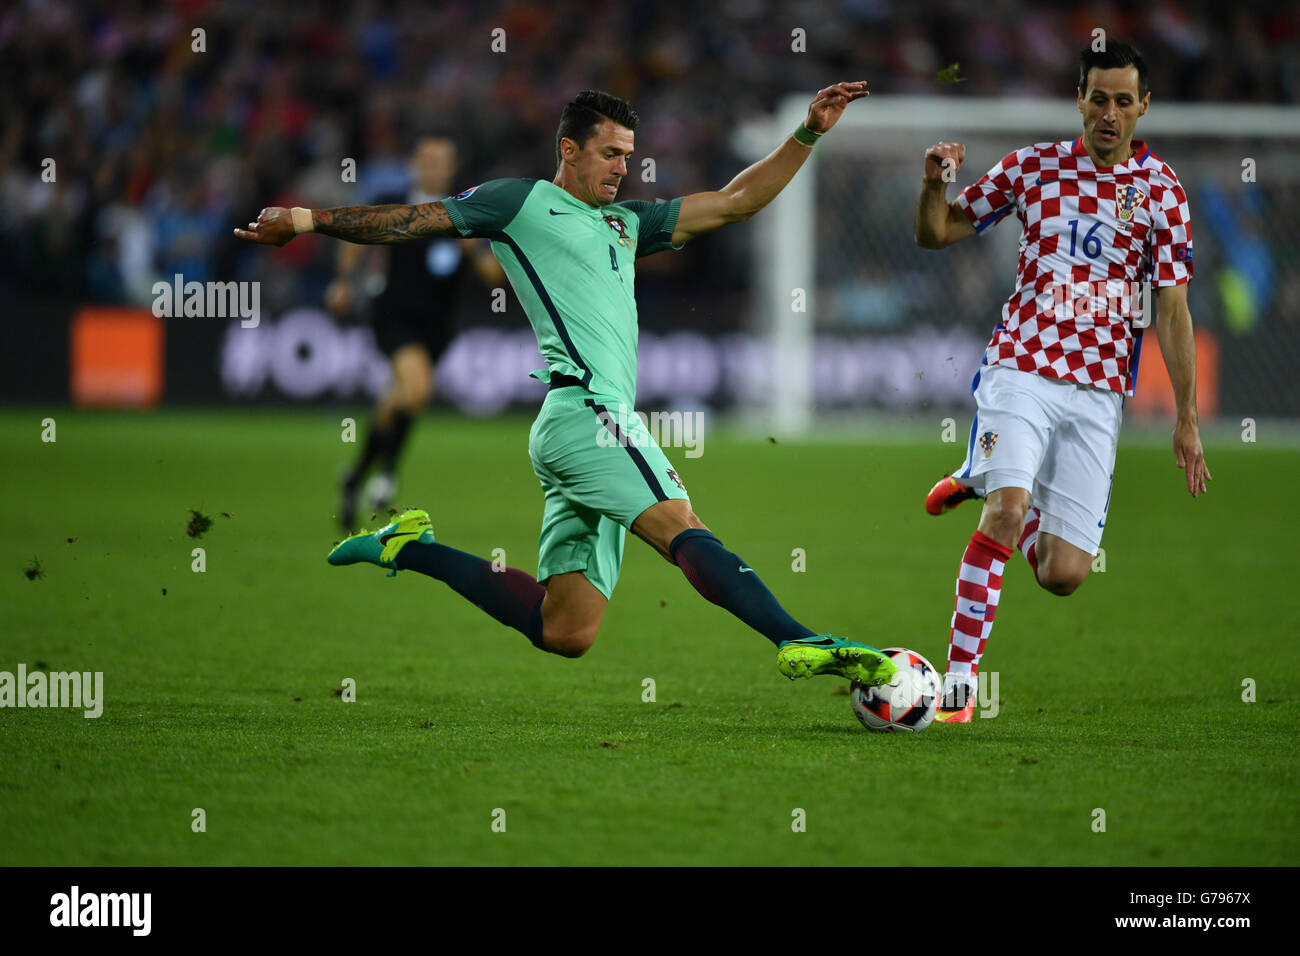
pixel 1107 227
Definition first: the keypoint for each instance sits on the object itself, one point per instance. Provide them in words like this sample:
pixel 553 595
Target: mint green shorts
pixel 599 468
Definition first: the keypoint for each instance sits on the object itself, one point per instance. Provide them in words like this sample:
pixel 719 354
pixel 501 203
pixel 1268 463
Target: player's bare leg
pixel 571 614
pixel 1061 566
pixel 409 392
pixel 412 383
pixel 1004 515
pixel 659 524
pixel 562 616
pixel 674 530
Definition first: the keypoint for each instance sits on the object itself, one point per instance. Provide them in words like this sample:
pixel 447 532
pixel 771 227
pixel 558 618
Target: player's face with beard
pixel 1110 109
pixel 602 162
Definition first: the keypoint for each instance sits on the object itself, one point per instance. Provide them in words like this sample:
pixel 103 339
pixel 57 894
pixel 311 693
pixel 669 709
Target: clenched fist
pixel 943 156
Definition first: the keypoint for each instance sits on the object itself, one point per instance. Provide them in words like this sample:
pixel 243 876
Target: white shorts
pixel 1056 439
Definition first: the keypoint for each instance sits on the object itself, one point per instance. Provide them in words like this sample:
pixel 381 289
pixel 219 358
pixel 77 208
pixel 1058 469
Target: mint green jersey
pixel 572 267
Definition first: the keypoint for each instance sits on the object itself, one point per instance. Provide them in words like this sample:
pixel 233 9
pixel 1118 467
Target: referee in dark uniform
pixel 413 321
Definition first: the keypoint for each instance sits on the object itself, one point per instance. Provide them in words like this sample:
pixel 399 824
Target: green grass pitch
pixel 220 693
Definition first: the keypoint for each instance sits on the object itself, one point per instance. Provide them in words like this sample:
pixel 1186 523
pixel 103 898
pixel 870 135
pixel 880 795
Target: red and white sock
pixel 1029 538
pixel 979 585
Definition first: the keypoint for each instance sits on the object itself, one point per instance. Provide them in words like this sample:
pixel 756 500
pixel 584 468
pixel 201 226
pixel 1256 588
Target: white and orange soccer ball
pixel 907 703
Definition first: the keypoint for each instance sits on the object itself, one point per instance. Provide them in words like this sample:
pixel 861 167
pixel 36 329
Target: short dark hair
pixel 587 111
pixel 1114 56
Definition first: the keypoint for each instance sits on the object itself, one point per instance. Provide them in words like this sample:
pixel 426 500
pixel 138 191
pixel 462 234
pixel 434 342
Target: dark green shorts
pixel 599 468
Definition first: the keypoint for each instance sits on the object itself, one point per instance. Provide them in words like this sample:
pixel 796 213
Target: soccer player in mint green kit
pixel 569 251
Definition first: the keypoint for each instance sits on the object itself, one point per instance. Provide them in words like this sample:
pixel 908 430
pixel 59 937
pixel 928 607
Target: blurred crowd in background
pixel 160 150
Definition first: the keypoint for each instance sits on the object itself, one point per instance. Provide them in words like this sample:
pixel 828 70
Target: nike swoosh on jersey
pixel 743 569
pixel 554 213
pixel 972 609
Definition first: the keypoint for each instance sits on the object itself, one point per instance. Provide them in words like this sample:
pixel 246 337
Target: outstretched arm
pixel 758 185
pixel 363 224
pixel 1178 347
pixel 939 222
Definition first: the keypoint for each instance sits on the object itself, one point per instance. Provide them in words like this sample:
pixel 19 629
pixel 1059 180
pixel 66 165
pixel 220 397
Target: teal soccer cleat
pixel 824 654
pixel 381 547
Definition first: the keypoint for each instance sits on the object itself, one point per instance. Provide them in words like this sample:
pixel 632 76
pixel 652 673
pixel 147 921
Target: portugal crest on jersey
pixel 619 227
pixel 1127 199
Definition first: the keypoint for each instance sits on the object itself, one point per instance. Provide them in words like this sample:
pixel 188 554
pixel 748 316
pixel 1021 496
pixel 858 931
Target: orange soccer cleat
pixel 947 494
pixel 957 706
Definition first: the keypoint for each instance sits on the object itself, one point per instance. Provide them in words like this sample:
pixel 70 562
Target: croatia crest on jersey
pixel 987 441
pixel 1127 200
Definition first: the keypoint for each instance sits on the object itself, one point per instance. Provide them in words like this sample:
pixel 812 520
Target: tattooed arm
pixel 362 224
pixel 384 224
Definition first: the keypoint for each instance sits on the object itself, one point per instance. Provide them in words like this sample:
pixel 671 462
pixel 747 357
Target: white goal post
pixel 877 148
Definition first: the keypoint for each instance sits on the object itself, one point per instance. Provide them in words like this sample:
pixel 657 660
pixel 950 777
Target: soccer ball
pixel 904 705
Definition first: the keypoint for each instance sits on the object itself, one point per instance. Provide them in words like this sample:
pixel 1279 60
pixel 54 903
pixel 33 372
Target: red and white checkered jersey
pixel 1111 227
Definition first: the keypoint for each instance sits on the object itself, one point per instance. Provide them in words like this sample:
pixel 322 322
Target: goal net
pixel 858 316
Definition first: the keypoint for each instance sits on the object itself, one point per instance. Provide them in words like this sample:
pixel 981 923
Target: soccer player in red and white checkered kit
pixel 1099 215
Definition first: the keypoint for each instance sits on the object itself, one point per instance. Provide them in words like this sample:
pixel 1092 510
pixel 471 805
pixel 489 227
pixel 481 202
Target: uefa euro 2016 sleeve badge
pixel 1127 200
pixel 987 441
